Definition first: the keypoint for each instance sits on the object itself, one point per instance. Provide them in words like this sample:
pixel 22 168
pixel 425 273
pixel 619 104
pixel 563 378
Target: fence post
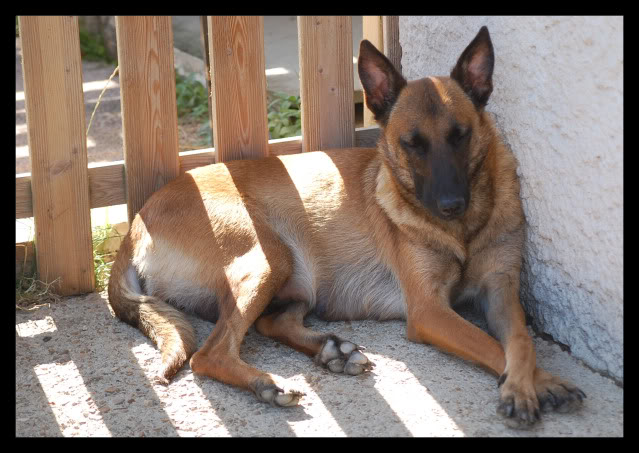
pixel 392 49
pixel 238 87
pixel 326 82
pixel 54 101
pixel 149 109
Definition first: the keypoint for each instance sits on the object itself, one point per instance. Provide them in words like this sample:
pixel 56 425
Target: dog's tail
pixel 167 327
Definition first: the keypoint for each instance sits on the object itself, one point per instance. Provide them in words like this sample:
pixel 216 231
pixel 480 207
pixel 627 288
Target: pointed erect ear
pixel 474 69
pixel 380 80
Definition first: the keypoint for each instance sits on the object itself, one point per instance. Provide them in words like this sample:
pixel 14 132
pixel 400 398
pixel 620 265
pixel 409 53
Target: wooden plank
pixel 238 87
pixel 204 37
pixel 372 30
pixel 24 198
pixel 392 49
pixel 107 186
pixel 326 81
pixel 106 181
pixel 52 70
pixel 149 110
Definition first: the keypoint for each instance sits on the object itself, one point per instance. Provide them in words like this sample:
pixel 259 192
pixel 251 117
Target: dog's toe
pixel 555 394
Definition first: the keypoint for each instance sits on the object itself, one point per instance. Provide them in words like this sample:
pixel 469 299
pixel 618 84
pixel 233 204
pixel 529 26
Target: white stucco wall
pixel 558 100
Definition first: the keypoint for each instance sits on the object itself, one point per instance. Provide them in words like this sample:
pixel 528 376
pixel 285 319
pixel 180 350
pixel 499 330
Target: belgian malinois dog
pixel 429 219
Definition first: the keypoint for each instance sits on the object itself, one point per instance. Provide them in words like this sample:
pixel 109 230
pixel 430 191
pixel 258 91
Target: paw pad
pixel 341 356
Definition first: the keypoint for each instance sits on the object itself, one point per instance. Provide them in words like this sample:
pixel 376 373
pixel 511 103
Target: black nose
pixel 452 206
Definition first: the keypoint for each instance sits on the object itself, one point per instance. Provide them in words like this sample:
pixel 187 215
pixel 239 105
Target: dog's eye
pixel 415 143
pixel 458 135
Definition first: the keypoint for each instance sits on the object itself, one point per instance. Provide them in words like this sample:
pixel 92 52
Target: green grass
pixel 102 257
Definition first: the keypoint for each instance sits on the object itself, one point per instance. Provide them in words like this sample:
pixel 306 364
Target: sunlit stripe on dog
pixel 411 401
pixel 32 328
pixel 194 403
pixel 75 410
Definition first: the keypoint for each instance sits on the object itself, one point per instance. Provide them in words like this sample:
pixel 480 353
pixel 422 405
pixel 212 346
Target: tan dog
pixel 430 218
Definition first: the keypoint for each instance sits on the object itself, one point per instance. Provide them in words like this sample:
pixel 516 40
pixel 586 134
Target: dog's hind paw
pixel 341 356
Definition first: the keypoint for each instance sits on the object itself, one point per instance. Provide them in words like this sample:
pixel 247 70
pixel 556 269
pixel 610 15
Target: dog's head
pixel 432 127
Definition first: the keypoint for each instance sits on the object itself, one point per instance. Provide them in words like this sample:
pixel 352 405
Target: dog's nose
pixel 451 207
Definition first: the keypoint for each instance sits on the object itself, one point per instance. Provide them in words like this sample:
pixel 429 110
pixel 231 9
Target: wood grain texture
pixel 106 181
pixel 107 186
pixel 52 71
pixel 392 49
pixel 326 81
pixel 24 198
pixel 238 87
pixel 149 110
pixel 373 31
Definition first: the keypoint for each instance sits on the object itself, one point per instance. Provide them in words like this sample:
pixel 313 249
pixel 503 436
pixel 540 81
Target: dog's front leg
pixel 430 319
pixel 524 387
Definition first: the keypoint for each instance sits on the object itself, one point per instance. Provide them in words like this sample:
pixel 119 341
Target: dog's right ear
pixel 380 80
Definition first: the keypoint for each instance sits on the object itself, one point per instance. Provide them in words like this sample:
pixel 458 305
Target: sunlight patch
pixel 411 400
pixel 70 401
pixel 32 328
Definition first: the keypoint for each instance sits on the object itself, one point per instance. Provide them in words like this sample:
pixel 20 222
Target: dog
pixel 429 219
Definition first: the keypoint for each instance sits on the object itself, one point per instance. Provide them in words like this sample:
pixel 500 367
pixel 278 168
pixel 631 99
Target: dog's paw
pixel 555 394
pixel 341 356
pixel 275 396
pixel 518 403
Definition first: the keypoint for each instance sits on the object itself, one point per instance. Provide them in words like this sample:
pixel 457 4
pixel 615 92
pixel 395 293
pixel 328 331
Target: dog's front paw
pixel 518 402
pixel 275 396
pixel 555 394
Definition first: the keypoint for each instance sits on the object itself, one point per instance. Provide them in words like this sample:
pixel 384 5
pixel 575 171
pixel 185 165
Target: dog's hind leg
pixel 251 282
pixel 330 351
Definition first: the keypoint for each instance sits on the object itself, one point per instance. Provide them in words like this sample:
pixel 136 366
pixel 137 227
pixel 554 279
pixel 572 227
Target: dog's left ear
pixel 474 69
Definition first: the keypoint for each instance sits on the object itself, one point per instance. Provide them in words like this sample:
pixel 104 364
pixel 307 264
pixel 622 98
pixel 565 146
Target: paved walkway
pixel 82 372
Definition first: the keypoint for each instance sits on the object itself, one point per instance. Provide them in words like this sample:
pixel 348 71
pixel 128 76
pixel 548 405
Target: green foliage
pixel 102 257
pixel 192 101
pixel 92 47
pixel 284 116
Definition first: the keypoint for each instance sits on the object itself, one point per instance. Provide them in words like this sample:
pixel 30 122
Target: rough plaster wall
pixel 558 93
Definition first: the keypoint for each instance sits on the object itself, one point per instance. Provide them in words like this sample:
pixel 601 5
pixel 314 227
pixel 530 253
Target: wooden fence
pixel 62 188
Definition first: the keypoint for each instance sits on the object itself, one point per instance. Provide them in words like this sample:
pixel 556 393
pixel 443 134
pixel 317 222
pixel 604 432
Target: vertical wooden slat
pixel 149 110
pixel 54 101
pixel 326 81
pixel 372 30
pixel 238 87
pixel 392 49
pixel 204 37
